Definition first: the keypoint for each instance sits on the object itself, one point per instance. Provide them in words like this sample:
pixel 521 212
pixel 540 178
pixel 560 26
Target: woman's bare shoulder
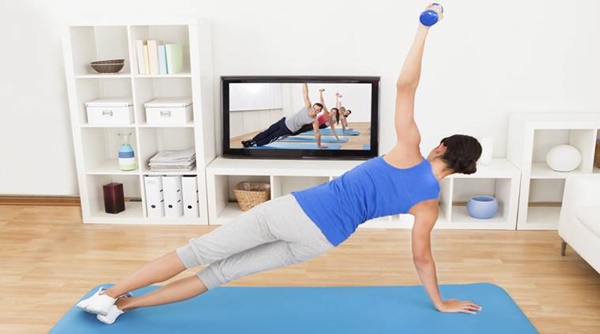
pixel 404 157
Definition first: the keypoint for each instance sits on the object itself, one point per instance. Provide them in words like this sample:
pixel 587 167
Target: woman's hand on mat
pixel 454 306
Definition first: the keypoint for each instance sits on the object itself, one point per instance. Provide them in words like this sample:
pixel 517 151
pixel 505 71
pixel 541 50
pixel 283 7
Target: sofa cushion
pixel 589 216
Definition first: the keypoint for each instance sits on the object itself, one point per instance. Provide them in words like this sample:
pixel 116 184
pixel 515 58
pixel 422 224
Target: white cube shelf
pixel 500 178
pixel 530 136
pixel 96 145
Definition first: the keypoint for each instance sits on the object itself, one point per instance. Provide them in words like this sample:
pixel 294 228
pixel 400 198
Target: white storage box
pixel 171 110
pixel 109 111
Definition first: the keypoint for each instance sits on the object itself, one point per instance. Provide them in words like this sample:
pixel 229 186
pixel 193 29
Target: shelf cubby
pixel 90 89
pixel 102 147
pixel 224 205
pixel 163 139
pixel 498 188
pixel 147 89
pixel 544 140
pixel 499 179
pixel 167 34
pixel 91 43
pixel 93 204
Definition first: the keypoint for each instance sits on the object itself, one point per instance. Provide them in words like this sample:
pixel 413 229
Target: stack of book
pixel 154 57
pixel 173 161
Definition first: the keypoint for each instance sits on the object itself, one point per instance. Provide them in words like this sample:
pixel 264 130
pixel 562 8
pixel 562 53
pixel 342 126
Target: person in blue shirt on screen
pixel 297 227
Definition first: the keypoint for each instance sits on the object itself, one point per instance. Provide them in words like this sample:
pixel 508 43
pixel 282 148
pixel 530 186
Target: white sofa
pixel 579 224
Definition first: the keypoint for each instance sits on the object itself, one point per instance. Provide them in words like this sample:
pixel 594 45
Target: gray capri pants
pixel 272 235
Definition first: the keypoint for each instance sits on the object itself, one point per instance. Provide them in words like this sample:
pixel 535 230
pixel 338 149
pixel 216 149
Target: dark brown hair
pixel 462 153
pixel 337 115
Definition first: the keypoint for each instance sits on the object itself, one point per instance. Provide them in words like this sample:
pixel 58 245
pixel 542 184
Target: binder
pixel 154 196
pixel 173 196
pixel 189 187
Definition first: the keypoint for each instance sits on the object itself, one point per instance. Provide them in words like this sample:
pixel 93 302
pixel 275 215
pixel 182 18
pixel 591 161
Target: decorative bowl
pixel 482 207
pixel 108 66
pixel 108 61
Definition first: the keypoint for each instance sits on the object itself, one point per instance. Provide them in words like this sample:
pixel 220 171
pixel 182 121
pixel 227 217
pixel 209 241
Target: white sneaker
pixel 98 303
pixel 114 312
pixel 111 317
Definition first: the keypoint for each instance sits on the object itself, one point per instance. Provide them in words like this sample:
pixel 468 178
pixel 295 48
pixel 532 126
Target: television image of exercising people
pixel 300 116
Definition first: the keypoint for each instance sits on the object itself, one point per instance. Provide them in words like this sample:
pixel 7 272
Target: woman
pixel 297 227
pixel 343 113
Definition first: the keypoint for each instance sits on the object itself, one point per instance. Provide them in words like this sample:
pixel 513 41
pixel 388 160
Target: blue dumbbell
pixel 430 16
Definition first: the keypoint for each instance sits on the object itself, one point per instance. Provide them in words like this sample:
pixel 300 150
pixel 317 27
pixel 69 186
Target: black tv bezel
pixel 229 152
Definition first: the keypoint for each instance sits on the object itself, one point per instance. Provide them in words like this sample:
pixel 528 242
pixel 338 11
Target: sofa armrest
pixel 580 190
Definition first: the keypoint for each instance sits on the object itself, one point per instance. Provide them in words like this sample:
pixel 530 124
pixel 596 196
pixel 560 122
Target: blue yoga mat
pixel 328 132
pixel 314 310
pixel 324 139
pixel 366 147
pixel 299 146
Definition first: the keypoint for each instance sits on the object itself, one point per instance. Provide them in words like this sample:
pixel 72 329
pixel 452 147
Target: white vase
pixel 563 158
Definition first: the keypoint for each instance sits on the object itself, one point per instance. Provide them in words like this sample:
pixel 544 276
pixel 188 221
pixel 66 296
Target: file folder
pixel 173 196
pixel 154 196
pixel 189 186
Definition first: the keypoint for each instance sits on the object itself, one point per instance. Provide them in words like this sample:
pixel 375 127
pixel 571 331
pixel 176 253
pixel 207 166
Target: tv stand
pixel 284 176
pixel 500 179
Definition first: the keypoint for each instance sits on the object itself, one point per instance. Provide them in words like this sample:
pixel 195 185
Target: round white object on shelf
pixel 563 158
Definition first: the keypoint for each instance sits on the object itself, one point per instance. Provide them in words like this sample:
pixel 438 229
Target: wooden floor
pixel 50 259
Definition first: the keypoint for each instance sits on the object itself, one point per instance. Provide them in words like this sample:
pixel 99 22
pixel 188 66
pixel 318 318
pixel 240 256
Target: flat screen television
pixel 252 104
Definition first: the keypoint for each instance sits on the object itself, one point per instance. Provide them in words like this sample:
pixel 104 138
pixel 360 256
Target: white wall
pixel 487 59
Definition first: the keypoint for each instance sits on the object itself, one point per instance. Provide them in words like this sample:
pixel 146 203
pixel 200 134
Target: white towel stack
pixel 173 161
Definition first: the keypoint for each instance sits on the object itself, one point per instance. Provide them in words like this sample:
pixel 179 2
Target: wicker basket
pixel 108 66
pixel 597 155
pixel 251 194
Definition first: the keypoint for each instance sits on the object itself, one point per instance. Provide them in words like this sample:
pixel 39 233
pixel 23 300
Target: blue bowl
pixel 482 207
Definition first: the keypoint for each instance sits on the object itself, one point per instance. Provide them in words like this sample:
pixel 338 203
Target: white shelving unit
pixel 96 146
pixel 530 136
pixel 500 179
pixel 284 177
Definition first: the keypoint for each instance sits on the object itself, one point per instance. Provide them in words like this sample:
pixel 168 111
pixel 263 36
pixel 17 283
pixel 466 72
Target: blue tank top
pixel 370 190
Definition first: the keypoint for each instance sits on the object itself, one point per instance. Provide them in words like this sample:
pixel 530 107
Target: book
pixel 153 55
pixel 146 61
pixel 139 52
pixel 162 60
pixel 174 58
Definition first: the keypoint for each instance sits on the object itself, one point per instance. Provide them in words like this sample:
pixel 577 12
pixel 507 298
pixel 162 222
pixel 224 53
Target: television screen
pixel 280 116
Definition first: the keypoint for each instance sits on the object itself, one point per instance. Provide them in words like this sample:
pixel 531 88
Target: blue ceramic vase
pixel 482 207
